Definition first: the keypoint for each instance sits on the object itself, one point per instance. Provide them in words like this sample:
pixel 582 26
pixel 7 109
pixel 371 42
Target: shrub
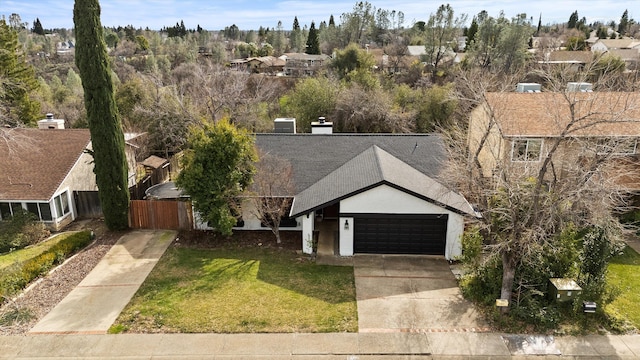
pixel 20 231
pixel 16 277
pixel 471 247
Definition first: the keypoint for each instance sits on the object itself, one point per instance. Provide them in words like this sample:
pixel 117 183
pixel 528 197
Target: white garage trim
pixel 385 199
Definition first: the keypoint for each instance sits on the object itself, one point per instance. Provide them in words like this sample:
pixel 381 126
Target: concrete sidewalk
pixel 93 306
pixel 347 346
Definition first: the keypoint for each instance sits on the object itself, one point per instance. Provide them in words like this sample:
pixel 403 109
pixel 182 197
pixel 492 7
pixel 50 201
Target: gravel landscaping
pixel 45 293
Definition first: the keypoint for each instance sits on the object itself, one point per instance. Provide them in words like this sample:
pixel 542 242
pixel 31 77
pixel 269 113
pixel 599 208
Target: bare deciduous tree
pixel 530 188
pixel 272 191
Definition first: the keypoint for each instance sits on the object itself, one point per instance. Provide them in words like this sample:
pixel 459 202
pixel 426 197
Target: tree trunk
pixel 508 274
pixel 276 231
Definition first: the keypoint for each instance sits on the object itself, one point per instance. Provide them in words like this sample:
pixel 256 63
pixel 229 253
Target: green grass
pixel 245 290
pixel 624 274
pixel 18 256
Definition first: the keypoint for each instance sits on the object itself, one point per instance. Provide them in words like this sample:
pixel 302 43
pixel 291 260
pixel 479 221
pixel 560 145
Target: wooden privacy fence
pixel 160 214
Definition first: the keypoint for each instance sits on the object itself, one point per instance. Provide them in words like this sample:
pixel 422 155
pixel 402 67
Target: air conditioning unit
pixel 284 126
pixel 579 87
pixel 528 88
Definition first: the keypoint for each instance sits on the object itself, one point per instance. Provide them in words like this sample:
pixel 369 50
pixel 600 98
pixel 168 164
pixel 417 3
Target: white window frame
pixel 24 206
pixel 529 141
pixel 58 213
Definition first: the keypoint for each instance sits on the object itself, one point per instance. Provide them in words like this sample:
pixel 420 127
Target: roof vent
pixel 528 88
pixel 579 87
pixel 321 126
pixel 51 123
pixel 284 126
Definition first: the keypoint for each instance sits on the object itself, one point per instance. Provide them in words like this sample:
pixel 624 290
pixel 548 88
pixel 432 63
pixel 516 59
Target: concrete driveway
pixel 398 293
pixel 97 301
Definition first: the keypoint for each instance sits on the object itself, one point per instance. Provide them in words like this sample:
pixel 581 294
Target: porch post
pixel 345 226
pixel 307 232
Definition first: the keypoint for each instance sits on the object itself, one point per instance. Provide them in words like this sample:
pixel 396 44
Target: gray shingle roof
pixel 314 156
pixel 371 168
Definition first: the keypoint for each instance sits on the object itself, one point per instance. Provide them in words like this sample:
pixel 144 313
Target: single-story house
pixel 604 45
pixel 370 193
pixel 41 170
pixel 45 170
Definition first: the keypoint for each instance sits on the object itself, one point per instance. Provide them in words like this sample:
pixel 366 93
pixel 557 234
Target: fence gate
pixel 160 214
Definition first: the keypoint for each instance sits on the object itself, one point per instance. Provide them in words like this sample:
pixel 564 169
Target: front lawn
pixel 624 273
pixel 241 290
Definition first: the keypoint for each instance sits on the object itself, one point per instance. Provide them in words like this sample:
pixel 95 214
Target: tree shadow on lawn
pixel 254 254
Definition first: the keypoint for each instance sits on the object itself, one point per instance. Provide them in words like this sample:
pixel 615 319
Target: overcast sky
pixel 251 14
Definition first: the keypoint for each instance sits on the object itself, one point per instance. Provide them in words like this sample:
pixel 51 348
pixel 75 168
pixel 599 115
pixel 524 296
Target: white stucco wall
pixel 251 222
pixel 307 231
pixel 599 47
pixel 80 178
pixel 387 200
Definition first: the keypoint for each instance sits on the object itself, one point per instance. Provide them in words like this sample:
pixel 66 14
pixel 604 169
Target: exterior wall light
pixel 346 224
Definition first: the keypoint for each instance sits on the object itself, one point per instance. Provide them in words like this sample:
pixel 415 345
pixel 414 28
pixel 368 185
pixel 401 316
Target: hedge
pixel 16 277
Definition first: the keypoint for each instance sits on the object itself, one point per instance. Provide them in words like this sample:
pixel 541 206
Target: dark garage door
pixel 400 234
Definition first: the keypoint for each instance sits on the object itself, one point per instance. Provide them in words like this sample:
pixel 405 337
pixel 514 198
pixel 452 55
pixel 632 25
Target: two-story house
pixel 516 130
pixel 297 64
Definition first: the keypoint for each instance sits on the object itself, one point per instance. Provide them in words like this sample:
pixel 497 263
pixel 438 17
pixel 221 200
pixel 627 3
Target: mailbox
pixel 588 307
pixel 562 290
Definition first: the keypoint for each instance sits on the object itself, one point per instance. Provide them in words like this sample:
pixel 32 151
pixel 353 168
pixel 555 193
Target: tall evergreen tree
pixel 17 81
pixel 296 38
pixel 332 22
pixel 313 45
pixel 471 33
pixel 37 27
pixel 573 20
pixel 110 164
pixel 624 23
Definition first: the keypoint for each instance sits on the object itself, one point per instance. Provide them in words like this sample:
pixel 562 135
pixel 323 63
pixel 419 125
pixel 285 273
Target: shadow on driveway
pixel 398 293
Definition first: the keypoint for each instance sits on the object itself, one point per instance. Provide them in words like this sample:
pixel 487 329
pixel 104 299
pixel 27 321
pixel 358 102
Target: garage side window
pixel 526 150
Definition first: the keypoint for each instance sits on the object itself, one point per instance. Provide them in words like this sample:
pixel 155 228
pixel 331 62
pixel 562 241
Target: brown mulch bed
pixel 291 240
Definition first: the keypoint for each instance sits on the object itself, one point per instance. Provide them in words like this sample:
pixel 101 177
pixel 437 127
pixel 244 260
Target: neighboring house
pixel 604 45
pixel 517 129
pixel 418 51
pixel 266 65
pixel 297 64
pixel 41 170
pixel 48 172
pixel 239 64
pixel 370 193
pixel 629 56
pixel 575 60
